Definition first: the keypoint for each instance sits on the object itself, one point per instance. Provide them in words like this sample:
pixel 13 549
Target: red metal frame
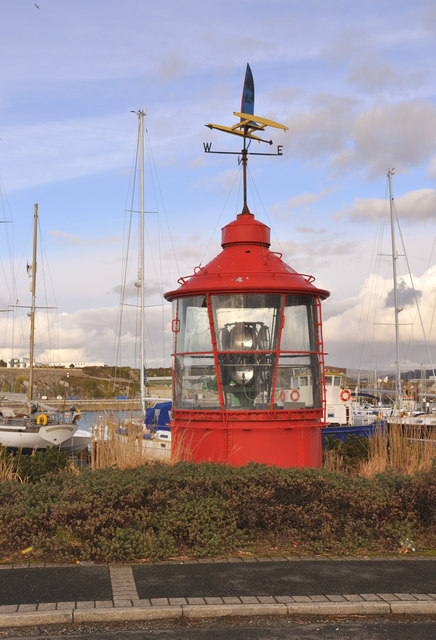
pixel 281 437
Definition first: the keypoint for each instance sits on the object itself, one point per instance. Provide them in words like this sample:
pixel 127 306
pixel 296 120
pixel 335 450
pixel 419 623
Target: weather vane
pixel 245 128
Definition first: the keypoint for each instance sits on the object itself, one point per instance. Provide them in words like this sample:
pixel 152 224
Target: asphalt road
pixel 313 577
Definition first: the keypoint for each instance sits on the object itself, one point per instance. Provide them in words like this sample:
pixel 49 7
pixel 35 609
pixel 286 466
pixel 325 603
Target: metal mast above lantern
pixel 248 350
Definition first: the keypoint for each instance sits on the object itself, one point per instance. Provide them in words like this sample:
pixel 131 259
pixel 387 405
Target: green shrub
pixel 158 511
pixel 33 467
pixel 353 450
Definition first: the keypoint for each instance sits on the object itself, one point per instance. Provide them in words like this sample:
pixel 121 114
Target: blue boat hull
pixel 342 433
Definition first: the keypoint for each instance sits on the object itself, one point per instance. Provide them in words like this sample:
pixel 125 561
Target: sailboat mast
pixel 398 399
pixel 33 303
pixel 141 114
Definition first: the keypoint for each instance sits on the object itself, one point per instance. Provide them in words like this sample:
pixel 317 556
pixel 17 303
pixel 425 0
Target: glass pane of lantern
pixel 247 380
pixel 246 322
pixel 196 383
pixel 298 329
pixel 194 334
pixel 298 385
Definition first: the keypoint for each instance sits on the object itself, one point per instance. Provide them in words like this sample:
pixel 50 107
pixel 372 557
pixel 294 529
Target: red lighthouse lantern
pixel 248 351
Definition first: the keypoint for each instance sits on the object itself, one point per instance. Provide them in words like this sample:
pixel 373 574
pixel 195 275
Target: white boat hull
pixel 158 447
pixel 79 442
pixel 50 435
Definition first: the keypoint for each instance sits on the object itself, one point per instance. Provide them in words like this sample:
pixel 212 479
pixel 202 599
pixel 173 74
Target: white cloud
pixel 304 200
pixel 393 135
pixel 368 321
pixel 92 335
pixel 415 206
pixel 348 134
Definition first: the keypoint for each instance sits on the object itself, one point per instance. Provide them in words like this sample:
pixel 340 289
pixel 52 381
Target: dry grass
pixel 7 471
pixel 404 449
pixel 123 446
pixel 333 461
pixel 407 449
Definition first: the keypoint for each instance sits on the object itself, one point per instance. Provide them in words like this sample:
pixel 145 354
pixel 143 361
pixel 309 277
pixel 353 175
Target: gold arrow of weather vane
pixel 247 125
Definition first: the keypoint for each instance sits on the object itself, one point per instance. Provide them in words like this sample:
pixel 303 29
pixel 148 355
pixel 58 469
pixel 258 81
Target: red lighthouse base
pixel 281 440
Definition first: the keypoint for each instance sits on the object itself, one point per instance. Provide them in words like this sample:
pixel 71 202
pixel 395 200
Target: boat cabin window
pixel 337 381
pixel 328 381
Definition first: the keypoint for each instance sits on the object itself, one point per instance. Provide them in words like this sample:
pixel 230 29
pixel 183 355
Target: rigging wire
pixel 160 206
pixel 125 255
pixel 19 318
pixel 9 281
pixel 6 207
pixel 418 309
pixel 156 263
pixel 237 175
pixel 45 270
pixel 160 198
pixel 375 267
pixel 255 191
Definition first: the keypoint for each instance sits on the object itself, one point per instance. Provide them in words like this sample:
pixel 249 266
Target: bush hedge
pixel 32 468
pixel 158 511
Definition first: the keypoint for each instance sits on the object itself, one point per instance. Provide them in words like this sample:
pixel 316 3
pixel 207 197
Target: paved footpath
pixel 272 586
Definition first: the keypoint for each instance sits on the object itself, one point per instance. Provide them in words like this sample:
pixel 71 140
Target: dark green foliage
pixel 31 468
pixel 353 450
pixel 158 511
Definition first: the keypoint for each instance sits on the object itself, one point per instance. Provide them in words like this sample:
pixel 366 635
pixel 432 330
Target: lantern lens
pixel 242 375
pixel 242 337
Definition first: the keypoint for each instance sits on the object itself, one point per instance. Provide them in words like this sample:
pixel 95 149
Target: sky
pixel 354 82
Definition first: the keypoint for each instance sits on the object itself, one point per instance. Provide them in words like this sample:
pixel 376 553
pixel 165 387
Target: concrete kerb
pixel 172 612
pixel 33 618
pixel 206 611
pixel 233 610
pixel 415 608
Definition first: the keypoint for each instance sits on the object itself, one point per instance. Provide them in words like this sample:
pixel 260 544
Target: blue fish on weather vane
pixel 247 103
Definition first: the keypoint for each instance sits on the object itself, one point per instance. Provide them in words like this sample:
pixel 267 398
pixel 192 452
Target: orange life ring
pixel 295 395
pixel 345 395
pixel 282 396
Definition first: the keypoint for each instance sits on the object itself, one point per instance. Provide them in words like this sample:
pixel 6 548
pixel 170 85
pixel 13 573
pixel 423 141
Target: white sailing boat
pixel 32 425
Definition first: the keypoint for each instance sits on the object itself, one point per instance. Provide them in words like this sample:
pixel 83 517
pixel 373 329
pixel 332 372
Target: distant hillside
pixel 89 382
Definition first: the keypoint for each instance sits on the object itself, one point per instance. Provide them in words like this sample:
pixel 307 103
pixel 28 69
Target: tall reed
pixel 402 448
pixel 123 445
pixel 8 471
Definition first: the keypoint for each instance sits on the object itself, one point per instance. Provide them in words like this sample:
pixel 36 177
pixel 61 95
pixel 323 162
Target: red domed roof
pixel 246 265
